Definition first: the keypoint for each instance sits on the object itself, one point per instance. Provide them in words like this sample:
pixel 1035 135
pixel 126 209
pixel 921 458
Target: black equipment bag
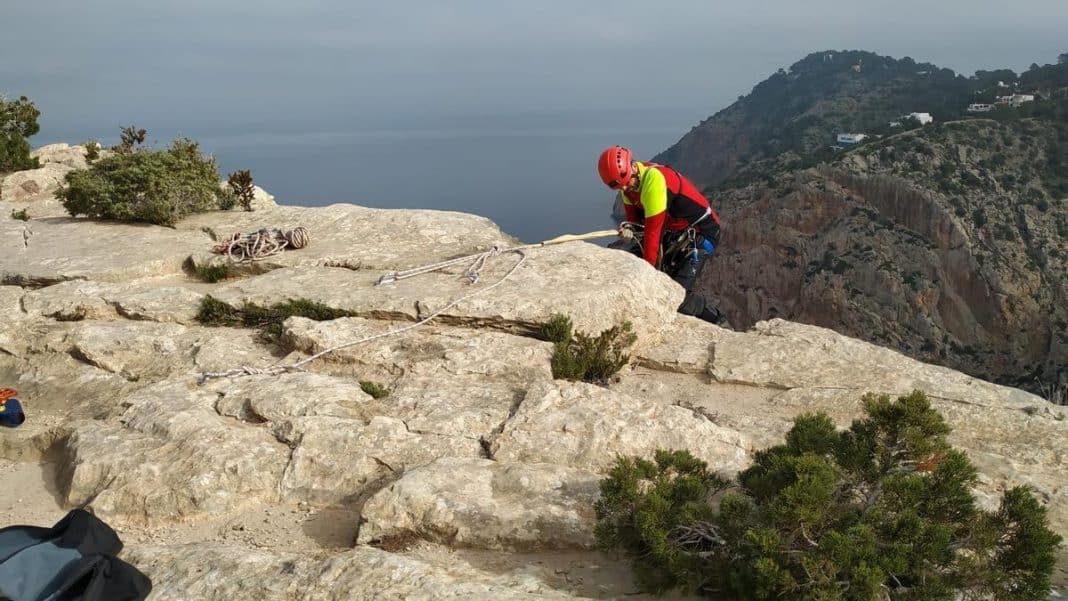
pixel 71 561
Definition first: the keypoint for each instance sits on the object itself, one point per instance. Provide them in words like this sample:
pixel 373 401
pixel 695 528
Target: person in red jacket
pixel 671 211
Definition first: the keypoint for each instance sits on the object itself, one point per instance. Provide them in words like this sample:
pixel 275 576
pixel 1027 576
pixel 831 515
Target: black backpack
pixel 71 561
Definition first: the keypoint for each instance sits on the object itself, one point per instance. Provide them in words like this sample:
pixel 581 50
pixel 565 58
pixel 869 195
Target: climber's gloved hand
pixel 627 230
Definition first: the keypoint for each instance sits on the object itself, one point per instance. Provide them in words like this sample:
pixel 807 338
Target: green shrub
pixel 21 215
pixel 213 272
pixel 557 329
pixel 151 186
pixel 92 150
pixel 214 312
pixel 241 185
pixel 227 199
pixel 130 138
pixel 914 280
pixel 644 504
pixel 18 121
pixel 376 390
pixel 577 356
pixel 883 510
pixel 267 319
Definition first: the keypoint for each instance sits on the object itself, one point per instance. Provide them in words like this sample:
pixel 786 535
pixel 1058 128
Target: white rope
pixel 261 244
pixel 298 366
pixel 472 273
pixel 479 259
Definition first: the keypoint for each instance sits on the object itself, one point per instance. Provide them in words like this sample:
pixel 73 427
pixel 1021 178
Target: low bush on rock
pixel 140 185
pixel 557 329
pixel 578 356
pixel 21 215
pixel 883 510
pixel 376 390
pixel 269 319
pixel 92 150
pixel 227 199
pixel 130 138
pixel 213 272
pixel 241 186
pixel 18 121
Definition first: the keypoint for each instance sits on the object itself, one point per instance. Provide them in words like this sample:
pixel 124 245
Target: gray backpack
pixel 71 561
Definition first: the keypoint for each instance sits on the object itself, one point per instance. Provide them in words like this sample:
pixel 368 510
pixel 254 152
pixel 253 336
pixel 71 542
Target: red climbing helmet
pixel 616 167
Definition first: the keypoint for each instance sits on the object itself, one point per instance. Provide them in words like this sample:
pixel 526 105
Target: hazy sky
pixel 294 65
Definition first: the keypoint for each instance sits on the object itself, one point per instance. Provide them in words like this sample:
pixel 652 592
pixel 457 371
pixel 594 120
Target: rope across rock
pixel 477 262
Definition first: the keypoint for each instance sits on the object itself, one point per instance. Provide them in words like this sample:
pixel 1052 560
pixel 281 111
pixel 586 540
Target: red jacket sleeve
pixel 634 214
pixel 651 242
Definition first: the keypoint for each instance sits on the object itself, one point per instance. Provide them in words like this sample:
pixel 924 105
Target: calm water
pixel 536 182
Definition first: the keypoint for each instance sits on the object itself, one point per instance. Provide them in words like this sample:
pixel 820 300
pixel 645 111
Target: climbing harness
pixel 472 273
pixel 261 244
pixel 673 247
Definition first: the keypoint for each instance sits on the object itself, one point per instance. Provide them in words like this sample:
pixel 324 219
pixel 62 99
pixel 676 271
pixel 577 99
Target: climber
pixel 676 223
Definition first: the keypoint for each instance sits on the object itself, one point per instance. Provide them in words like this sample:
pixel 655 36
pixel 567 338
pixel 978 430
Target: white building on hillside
pixel 923 118
pixel 980 108
pixel 850 139
pixel 1016 99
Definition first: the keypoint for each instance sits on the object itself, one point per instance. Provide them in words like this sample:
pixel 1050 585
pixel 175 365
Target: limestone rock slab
pixel 168 304
pixel 431 350
pixel 213 572
pixel 150 351
pixel 604 287
pixel 469 406
pixel 274 399
pixel 784 354
pixel 141 350
pixel 11 320
pixel 11 303
pixel 487 504
pixel 221 349
pixel 171 457
pixel 686 349
pixel 337 459
pixel 356 237
pixel 443 380
pixel 41 206
pixel 41 252
pixel 72 156
pixel 300 436
pixel 23 186
pixel 73 300
pixel 587 427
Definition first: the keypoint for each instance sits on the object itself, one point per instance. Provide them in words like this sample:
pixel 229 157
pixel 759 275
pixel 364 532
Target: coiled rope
pixel 472 273
pixel 261 244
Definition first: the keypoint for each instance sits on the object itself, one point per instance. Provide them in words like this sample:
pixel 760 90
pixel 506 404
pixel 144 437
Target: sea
pixel 536 179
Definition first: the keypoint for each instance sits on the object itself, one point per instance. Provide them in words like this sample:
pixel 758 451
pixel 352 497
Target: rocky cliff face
pixel 941 243
pixel 475 476
pixel 947 243
pixel 796 112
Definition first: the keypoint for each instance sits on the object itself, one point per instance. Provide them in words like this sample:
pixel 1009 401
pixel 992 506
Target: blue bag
pixel 11 414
